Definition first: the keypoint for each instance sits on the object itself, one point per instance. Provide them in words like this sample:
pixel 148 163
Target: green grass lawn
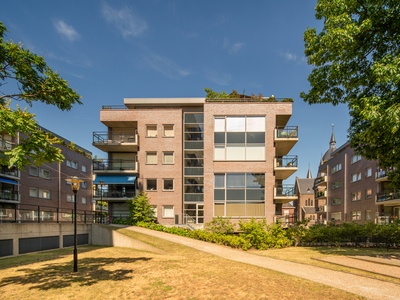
pixel 122 273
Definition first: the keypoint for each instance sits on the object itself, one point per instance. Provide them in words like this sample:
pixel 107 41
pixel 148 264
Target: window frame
pixel 163 211
pixel 154 209
pixel 366 172
pixel 151 152
pixel 36 192
pixel 70 163
pixel 163 131
pixel 336 168
pixel 84 203
pixel 37 171
pixel 333 201
pixel 355 158
pixel 173 185
pixel 356 215
pixel 83 185
pixel 72 198
pixel 163 158
pixel 84 167
pixel 358 177
pixel 151 136
pixel 370 214
pixel 355 198
pixel 366 193
pixel 147 190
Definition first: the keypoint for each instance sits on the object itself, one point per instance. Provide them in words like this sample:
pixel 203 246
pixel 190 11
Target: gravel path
pixel 392 271
pixel 362 286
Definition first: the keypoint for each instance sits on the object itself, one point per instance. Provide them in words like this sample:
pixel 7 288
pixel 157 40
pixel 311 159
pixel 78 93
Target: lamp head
pixel 75 183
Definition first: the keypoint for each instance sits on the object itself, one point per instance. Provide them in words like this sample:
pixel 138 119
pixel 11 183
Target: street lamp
pixel 75 184
pixel 101 200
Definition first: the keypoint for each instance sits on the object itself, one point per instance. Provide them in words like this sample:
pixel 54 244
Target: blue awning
pixel 115 179
pixel 5 180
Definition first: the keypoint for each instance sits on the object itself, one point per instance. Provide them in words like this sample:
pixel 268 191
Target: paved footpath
pixel 359 285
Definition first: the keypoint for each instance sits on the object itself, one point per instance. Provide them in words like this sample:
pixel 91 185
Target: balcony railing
pixel 101 208
pixel 320 180
pixel 386 219
pixel 250 99
pixel 289 161
pixel 6 145
pixel 114 107
pixel 114 165
pixel 321 208
pixel 287 132
pixel 387 195
pixel 285 190
pixel 8 195
pixel 381 174
pixel 285 220
pixel 103 137
pixel 320 194
pixel 112 193
pixel 10 172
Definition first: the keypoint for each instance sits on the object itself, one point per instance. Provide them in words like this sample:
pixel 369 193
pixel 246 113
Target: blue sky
pixel 110 50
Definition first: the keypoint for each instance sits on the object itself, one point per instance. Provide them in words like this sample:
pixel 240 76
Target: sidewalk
pixel 359 285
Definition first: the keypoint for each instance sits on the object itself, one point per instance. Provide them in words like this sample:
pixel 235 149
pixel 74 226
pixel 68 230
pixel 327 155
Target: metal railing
pixel 9 195
pixel 114 164
pixel 387 195
pixel 322 208
pixel 101 208
pixel 286 220
pixel 250 99
pixel 103 137
pixel 113 193
pixel 320 180
pixel 7 171
pixel 44 214
pixel 114 107
pixel 385 219
pixel 287 132
pixel 319 194
pixel 289 161
pixel 285 190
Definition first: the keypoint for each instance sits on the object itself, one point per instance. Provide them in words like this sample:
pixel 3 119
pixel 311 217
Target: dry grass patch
pixel 305 255
pixel 122 273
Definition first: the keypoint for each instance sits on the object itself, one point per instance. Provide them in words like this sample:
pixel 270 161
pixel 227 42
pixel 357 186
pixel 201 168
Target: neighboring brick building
pixel 305 204
pixel 44 188
pixel 352 188
pixel 197 158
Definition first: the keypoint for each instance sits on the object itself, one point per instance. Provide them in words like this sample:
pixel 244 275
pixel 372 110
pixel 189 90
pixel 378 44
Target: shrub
pixel 220 225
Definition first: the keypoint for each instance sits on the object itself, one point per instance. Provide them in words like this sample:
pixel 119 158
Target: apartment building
pixel 197 158
pixel 42 189
pixel 352 188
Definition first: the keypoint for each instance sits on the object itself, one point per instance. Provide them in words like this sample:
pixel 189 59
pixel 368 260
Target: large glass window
pixel 239 138
pixel 239 194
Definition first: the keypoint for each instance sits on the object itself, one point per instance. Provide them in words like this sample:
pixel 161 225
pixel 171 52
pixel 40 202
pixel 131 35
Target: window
pixel 356 177
pixel 168 158
pixel 154 209
pixel 151 184
pixel 311 203
pixel 168 184
pixel 33 192
pixel 151 158
pixel 336 216
pixel 336 184
pixel 356 196
pixel 368 172
pixel 336 200
pixel 355 158
pixel 168 130
pixel 151 130
pixel 239 194
pixel 83 200
pixel 83 184
pixel 239 138
pixel 368 193
pixel 356 215
pixel 72 164
pixel 33 171
pixel 70 198
pixel 168 211
pixel 336 168
pixel 368 215
pixel 45 174
pixel 83 168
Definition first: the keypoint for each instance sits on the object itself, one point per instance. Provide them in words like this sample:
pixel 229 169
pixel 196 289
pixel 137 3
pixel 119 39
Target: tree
pixel 140 208
pixel 33 81
pixel 356 59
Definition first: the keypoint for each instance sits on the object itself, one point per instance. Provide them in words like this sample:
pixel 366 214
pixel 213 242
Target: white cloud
pixel 127 21
pixel 232 48
pixel 289 56
pixel 220 79
pixel 77 60
pixel 66 31
pixel 165 66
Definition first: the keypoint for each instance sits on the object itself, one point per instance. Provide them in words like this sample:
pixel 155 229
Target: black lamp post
pixel 75 184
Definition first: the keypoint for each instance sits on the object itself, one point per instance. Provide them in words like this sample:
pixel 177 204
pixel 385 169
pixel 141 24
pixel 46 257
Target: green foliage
pixel 287 100
pixel 356 61
pixel 298 232
pixel 140 208
pixel 220 225
pixel 33 81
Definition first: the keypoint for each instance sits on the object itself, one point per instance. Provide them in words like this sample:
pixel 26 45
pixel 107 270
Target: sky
pixel 110 50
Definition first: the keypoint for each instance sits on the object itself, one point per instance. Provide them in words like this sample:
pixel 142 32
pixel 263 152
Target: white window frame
pixel 42 171
pixel 163 158
pixel 147 179
pixel 366 215
pixel 151 136
pixel 333 200
pixel 151 152
pixel 71 197
pixel 72 164
pixel 32 173
pixel 83 185
pixel 337 168
pixel 173 184
pixel 337 213
pixel 36 192
pixel 42 192
pixel 173 131
pixel 84 201
pixel 366 172
pixel 355 158
pixel 356 196
pixel 358 178
pixel 356 215
pixel 163 211
pixel 84 168
pixel 366 193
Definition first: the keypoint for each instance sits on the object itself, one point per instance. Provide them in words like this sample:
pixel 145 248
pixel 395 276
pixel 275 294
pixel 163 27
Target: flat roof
pixel 164 101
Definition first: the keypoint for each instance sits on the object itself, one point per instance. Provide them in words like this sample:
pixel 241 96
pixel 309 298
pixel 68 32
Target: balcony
pixel 284 166
pixel 285 139
pixel 101 208
pixel 388 198
pixel 381 176
pixel 386 219
pixel 321 209
pixel 9 196
pixel 12 173
pixel 119 194
pixel 285 193
pixel 114 166
pixel 122 142
pixel 321 194
pixel 285 220
pixel 321 181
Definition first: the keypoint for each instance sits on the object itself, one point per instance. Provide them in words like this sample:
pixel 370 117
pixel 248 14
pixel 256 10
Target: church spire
pixel 333 141
pixel 309 172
